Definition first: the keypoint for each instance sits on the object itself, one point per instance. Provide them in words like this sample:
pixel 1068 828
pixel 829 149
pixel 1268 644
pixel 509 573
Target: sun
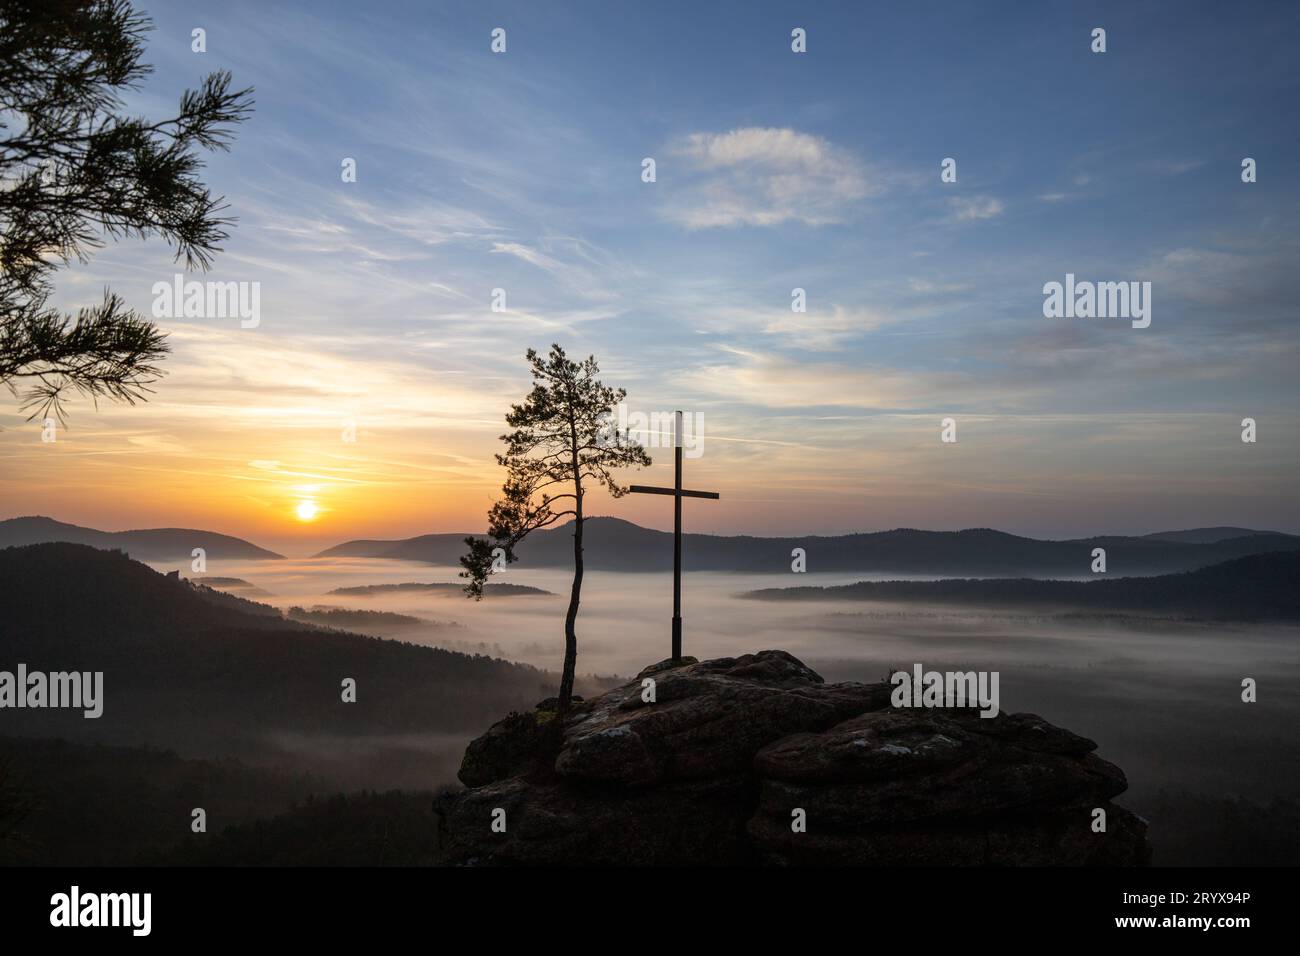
pixel 307 511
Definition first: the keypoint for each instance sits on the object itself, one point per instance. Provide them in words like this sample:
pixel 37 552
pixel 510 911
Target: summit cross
pixel 678 493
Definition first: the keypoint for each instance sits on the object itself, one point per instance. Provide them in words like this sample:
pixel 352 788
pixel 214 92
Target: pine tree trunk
pixel 570 619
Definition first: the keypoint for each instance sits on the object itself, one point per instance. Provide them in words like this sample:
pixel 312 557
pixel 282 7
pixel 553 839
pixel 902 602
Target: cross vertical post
pixel 678 493
pixel 677 537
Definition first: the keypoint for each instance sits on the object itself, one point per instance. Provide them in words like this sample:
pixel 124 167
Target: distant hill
pixel 1203 535
pixel 615 545
pixel 1256 587
pixel 382 623
pixel 238 585
pixel 204 672
pixel 153 544
pixel 433 548
pixel 489 590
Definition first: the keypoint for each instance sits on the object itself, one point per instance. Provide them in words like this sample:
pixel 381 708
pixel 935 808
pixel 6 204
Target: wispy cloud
pixel 979 207
pixel 527 254
pixel 820 330
pixel 758 176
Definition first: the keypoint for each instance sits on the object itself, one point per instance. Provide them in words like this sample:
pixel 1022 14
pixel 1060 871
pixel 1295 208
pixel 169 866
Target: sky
pixel 774 171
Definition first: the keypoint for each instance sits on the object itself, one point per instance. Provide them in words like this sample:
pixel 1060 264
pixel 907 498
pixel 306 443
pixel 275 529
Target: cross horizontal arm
pixel 651 490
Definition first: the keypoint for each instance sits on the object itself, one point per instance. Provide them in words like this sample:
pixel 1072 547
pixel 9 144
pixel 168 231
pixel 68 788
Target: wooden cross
pixel 678 493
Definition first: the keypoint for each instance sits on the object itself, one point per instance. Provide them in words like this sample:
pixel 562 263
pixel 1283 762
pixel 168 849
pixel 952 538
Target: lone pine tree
pixel 74 171
pixel 564 438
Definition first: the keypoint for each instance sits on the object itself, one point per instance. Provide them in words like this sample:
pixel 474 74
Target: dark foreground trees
pixel 75 171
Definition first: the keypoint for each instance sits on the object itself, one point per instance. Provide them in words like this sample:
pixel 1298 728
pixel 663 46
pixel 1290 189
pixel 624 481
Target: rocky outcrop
pixel 717 767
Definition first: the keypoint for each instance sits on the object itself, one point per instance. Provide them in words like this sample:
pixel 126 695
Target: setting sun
pixel 307 511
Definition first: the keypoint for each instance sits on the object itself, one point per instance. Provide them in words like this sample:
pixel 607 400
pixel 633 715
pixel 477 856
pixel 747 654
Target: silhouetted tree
pixel 73 171
pixel 563 436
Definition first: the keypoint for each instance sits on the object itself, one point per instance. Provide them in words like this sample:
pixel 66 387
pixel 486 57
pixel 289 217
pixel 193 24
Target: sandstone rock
pixel 710 771
pixel 509 748
pixel 1062 838
pixel 900 766
pixel 689 823
pixel 708 718
pixel 667 664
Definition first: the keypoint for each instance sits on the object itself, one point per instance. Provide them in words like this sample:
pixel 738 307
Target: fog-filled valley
pixel 1160 695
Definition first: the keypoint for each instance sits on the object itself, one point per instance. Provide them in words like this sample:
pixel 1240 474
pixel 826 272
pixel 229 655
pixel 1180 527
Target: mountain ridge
pixel 1253 587
pixel 616 544
pixel 619 545
pixel 150 544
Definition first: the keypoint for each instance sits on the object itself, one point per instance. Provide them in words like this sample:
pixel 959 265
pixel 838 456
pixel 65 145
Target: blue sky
pixel 775 170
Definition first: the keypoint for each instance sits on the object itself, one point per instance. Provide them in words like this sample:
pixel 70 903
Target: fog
pixel 1161 698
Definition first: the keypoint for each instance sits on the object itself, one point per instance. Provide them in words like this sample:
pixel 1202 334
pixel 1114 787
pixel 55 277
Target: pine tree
pixel 74 172
pixel 563 440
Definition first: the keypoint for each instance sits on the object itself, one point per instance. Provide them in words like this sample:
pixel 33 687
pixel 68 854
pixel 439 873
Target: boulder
pixel 509 748
pixel 707 719
pixel 901 766
pixel 711 770
pixel 551 822
pixel 1051 839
